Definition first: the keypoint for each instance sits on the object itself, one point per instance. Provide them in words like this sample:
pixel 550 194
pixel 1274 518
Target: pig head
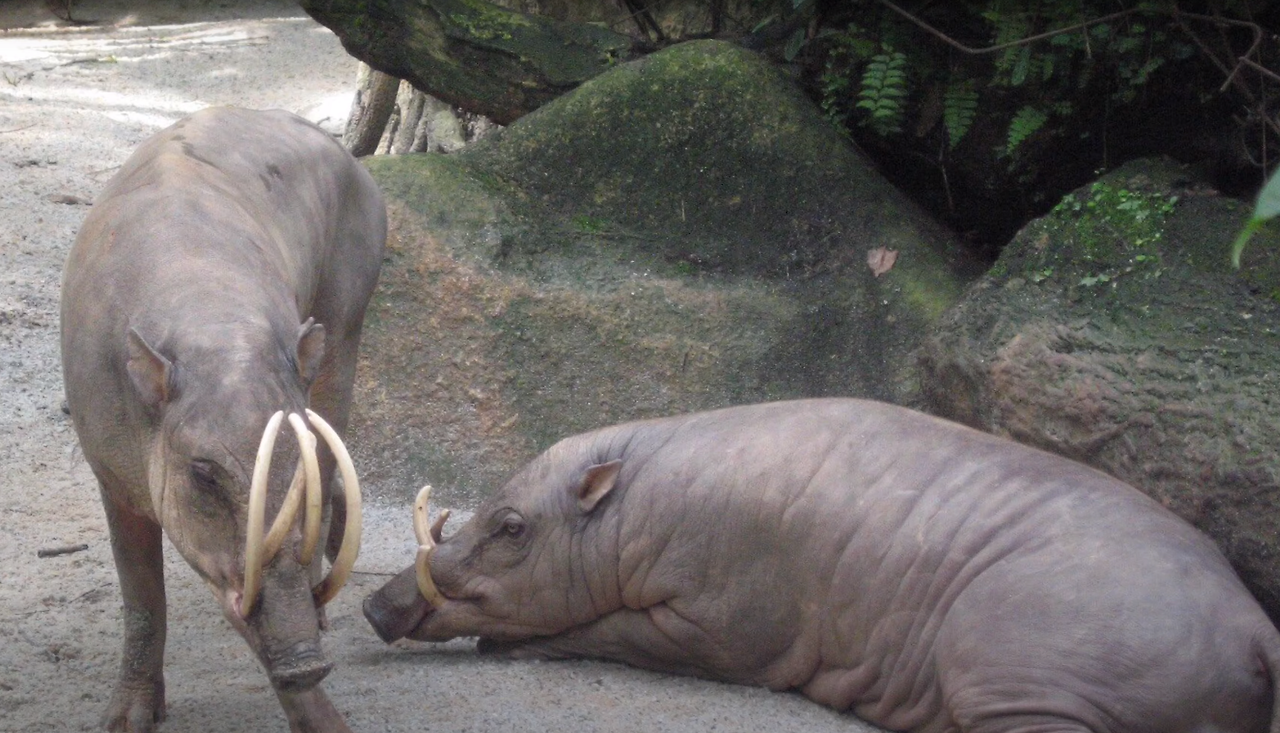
pixel 921 574
pixel 214 298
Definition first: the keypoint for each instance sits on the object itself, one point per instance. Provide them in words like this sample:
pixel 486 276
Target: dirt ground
pixel 75 99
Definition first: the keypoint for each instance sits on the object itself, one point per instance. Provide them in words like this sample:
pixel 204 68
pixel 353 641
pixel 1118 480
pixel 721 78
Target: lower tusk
pixel 426 546
pixel 437 529
pixel 253 543
pixel 346 558
pixel 427 586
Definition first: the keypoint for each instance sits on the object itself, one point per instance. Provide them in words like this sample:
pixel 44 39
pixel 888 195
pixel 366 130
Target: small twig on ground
pixel 61 550
pixel 18 129
pixel 68 199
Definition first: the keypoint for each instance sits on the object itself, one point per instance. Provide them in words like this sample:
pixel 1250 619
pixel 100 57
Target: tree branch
pixel 992 49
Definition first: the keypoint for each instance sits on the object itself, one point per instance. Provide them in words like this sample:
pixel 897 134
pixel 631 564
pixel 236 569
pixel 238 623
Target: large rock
pixel 684 232
pixel 1113 331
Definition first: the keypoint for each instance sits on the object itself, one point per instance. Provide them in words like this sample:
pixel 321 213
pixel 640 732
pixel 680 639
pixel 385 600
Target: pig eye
pixel 204 475
pixel 512 526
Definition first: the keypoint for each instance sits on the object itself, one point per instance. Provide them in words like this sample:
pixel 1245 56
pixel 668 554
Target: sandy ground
pixel 74 101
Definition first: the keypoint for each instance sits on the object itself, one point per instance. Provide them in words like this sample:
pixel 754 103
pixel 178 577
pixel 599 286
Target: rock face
pixel 681 233
pixel 1112 331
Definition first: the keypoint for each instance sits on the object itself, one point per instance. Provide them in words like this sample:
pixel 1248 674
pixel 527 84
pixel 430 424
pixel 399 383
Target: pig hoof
pixel 135 709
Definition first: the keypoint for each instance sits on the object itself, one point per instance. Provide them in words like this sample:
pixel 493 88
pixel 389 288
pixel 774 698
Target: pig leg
pixel 311 712
pixel 138 701
pixel 654 638
pixel 331 399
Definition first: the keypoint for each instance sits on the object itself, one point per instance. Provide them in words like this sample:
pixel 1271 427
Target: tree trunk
pixel 409 104
pixel 374 102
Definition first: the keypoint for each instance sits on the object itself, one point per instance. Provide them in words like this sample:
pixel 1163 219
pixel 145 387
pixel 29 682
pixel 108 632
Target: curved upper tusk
pixel 346 558
pixel 285 518
pixel 426 546
pixel 257 515
pixel 306 475
pixel 421 528
pixel 312 518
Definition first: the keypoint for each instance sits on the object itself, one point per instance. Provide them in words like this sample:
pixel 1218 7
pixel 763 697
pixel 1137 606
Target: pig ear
pixel 596 482
pixel 152 374
pixel 310 349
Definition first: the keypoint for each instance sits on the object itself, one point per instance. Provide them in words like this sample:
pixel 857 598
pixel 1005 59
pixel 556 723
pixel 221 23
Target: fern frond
pixel 959 108
pixel 1022 66
pixel 883 92
pixel 1026 123
pixel 1009 27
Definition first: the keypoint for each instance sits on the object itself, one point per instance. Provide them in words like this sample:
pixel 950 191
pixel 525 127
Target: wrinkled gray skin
pixel 926 576
pixel 183 307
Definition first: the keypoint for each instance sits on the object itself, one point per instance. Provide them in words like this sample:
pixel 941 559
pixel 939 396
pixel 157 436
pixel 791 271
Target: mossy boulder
pixel 1113 331
pixel 681 233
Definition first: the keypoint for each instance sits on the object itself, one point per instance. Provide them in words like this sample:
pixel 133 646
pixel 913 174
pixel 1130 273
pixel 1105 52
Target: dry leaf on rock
pixel 881 260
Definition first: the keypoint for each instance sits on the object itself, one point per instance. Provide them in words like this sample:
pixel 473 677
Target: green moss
pixel 1113 229
pixel 1133 228
pixel 1113 225
pixel 485 21
pixel 589 224
pixel 927 295
pixel 710 111
pixel 474 211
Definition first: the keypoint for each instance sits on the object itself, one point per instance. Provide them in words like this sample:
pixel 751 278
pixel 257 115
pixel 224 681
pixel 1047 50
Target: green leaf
pixel 1268 206
pixel 1237 247
pixel 1266 209
pixel 795 43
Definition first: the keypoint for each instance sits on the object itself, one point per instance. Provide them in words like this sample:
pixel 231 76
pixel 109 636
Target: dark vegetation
pixel 989 112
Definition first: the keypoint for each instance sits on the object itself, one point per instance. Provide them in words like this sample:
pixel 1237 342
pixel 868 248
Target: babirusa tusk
pixel 421 528
pixel 306 475
pixel 289 509
pixel 257 516
pixel 426 585
pixel 346 558
pixel 311 520
pixel 426 546
pixel 437 528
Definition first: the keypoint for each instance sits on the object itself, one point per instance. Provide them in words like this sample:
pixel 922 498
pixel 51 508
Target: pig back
pixel 828 540
pixel 230 227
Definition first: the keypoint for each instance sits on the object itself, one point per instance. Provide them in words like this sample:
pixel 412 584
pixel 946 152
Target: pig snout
pixel 299 668
pixel 396 608
pixel 288 628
